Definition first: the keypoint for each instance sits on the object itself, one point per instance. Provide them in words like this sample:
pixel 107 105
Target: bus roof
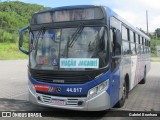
pixel 67 7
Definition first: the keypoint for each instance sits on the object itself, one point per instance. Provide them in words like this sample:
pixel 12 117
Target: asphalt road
pixel 14 93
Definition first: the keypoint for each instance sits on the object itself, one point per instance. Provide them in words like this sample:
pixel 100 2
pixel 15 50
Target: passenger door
pixel 116 41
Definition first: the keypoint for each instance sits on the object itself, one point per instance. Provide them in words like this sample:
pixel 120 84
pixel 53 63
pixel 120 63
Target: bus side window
pixel 117 41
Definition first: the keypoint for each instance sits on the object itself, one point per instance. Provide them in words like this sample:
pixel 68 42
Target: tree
pixel 157 31
pixel 13 16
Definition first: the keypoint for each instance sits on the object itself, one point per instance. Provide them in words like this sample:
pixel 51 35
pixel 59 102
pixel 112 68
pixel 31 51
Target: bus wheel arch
pixel 126 80
pixel 125 90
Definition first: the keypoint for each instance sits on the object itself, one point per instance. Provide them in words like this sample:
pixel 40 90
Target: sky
pixel 133 11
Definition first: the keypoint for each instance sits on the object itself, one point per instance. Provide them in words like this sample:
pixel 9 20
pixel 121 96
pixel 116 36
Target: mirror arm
pixel 23 29
pixel 21 40
pixel 25 52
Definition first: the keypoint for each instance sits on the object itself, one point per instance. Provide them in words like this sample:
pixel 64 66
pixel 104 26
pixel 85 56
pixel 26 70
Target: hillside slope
pixel 16 14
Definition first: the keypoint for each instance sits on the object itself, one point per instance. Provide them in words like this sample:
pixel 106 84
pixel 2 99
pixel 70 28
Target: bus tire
pixel 143 81
pixel 124 95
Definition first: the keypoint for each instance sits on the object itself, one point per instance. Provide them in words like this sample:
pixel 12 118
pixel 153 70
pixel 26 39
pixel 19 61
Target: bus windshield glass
pixel 82 48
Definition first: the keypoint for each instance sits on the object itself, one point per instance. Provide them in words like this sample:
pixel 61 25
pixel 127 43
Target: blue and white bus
pixel 84 58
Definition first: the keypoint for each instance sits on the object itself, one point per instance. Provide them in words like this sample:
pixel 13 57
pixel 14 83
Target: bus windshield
pixel 82 48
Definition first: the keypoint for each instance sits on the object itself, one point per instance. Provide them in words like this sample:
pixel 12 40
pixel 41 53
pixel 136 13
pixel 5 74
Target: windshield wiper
pixel 76 35
pixel 71 41
pixel 41 32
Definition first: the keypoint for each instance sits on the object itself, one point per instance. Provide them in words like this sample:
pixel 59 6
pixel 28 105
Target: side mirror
pixel 21 39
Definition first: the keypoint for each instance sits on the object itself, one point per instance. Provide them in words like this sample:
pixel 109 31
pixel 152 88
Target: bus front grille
pixel 61 78
pixel 46 99
pixel 69 102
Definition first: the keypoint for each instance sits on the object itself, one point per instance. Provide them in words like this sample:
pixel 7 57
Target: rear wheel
pixel 124 94
pixel 143 81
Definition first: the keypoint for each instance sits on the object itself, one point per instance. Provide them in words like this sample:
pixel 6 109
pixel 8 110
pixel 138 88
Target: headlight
pixel 92 91
pixel 102 86
pixel 98 89
pixel 31 87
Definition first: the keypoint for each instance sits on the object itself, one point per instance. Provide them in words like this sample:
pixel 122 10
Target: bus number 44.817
pixel 74 90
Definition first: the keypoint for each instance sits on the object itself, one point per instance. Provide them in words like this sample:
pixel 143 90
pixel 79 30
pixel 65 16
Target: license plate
pixel 58 102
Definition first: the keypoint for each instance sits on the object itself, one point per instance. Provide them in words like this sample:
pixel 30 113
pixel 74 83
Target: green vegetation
pixel 153 46
pixel 155 60
pixel 158 32
pixel 155 41
pixel 13 16
pixel 10 51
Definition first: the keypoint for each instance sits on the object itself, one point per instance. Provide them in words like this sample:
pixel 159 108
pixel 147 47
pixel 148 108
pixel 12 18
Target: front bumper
pixel 98 103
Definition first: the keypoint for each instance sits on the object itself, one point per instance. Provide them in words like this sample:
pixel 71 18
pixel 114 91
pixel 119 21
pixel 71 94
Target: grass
pixel 155 60
pixel 158 42
pixel 10 51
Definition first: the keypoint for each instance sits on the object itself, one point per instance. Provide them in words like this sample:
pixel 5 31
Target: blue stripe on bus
pixel 114 85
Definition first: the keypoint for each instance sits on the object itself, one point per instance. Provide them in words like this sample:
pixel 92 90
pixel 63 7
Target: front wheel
pixel 124 95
